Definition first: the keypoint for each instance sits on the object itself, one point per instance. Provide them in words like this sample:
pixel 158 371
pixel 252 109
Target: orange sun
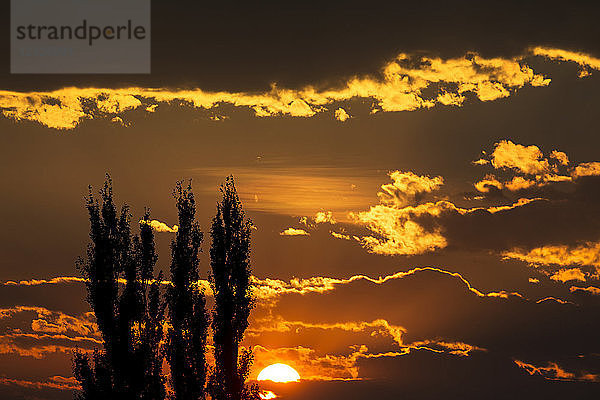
pixel 279 373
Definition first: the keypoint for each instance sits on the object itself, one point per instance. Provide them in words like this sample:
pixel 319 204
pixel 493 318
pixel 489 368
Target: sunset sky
pixel 424 181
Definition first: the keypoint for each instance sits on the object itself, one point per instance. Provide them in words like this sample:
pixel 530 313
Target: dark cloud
pixel 432 305
pixel 238 46
pixel 423 375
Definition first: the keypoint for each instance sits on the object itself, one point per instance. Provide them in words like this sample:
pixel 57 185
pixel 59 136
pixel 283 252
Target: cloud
pixel 519 183
pixel 37 282
pixel 553 372
pixel 455 348
pixel 39 346
pixel 584 60
pixel 566 275
pixel 343 236
pixel 403 85
pixel 451 99
pixel 392 221
pixel 406 187
pixel 294 232
pixel 560 157
pixel 322 217
pixel 525 159
pixel 54 382
pixel 341 115
pixel 397 232
pixel 586 169
pixel 314 365
pixel 404 225
pixel 531 168
pixel 264 289
pixel 160 226
pixel 489 181
pixel 587 254
pixel 270 288
pixel 590 290
pixel 373 328
pixel 48 332
pixel 435 310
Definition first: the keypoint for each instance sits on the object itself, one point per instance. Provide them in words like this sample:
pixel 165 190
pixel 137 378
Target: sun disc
pixel 279 373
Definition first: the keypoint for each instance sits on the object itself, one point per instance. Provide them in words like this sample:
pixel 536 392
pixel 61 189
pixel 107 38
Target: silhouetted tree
pixel 230 283
pixel 126 300
pixel 130 316
pixel 186 349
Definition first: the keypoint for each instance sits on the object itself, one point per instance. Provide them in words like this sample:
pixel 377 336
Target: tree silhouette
pixel 189 320
pixel 125 296
pixel 129 318
pixel 230 283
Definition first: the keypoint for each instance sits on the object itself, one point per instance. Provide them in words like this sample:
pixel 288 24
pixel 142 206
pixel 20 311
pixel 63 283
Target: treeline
pixel 143 328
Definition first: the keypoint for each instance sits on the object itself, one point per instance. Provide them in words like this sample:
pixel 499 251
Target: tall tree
pixel 188 318
pixel 129 316
pixel 230 283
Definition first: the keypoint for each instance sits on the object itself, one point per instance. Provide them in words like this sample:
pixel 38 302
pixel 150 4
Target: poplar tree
pixel 124 294
pixel 231 286
pixel 129 316
pixel 189 321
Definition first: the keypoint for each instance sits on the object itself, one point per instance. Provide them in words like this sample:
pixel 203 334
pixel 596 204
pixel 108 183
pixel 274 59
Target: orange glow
pixel 267 395
pixel 279 373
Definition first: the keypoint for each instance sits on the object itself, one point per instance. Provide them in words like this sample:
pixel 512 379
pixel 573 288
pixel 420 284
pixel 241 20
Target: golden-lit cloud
pixel 554 372
pixel 566 275
pixel 341 115
pixel 519 183
pixel 48 321
pixel 587 254
pixel 590 290
pixel 560 157
pixel 392 222
pixel 487 182
pixel 586 169
pixel 530 167
pixel 403 85
pixel 586 61
pixel 552 298
pixel 322 217
pixel 395 222
pixel 454 348
pixel 406 186
pixel 450 99
pixel 401 88
pixel 37 282
pixel 373 328
pixel 294 232
pixel 343 236
pixel 39 346
pixel 38 332
pixel 525 159
pixel 54 382
pixel 397 233
pixel 270 288
pixel 158 226
pixel 312 365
